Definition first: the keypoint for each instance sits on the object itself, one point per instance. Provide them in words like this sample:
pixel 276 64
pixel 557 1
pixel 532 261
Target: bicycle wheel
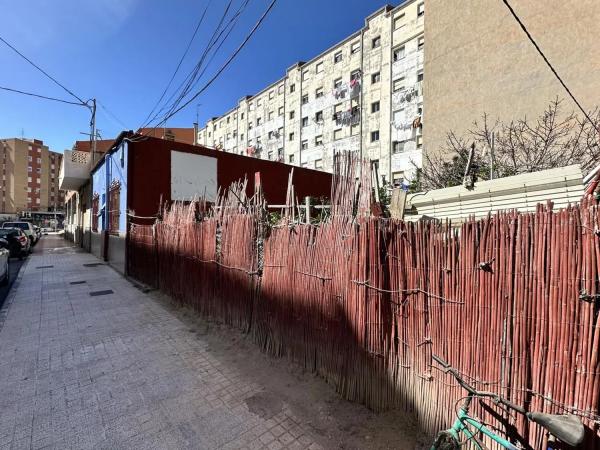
pixel 445 441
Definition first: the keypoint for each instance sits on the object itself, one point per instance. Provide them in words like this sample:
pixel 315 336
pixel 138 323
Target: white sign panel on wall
pixel 193 176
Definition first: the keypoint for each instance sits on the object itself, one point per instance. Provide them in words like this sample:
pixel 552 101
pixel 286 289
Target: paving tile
pixel 117 370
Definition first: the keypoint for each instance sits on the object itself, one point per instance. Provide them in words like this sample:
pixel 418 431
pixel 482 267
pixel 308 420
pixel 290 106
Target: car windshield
pixel 21 225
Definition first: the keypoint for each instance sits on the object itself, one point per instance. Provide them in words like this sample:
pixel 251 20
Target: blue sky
pixel 123 52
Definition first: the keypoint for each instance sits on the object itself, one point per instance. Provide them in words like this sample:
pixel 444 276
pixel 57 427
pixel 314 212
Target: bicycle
pixel 567 428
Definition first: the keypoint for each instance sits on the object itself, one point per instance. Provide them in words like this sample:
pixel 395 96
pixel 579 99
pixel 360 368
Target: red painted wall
pixel 149 174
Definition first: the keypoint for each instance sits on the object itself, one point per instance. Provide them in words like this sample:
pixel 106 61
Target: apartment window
pixel 291 159
pixel 319 140
pixel 399 21
pixel 258 121
pixel 280 89
pixel 355 48
pixel 319 67
pixel 337 108
pixel 399 53
pixel 398 146
pixel 319 116
pixel 228 136
pixel 318 163
pixel 337 83
pixel 305 121
pixel 228 120
pixel 305 99
pixel 39 150
pixel 280 111
pixel 337 134
pixel 375 78
pixel 242 116
pixel 375 136
pixel 250 126
pixel 354 129
pixel 292 88
pixel 292 114
pixel 115 207
pixel 319 93
pixel 280 132
pixel 30 158
pixel 29 179
pixel 355 74
pixel 376 42
pixel 420 9
pixel 28 189
pixel 280 154
pixel 29 169
pixel 270 115
pixel 271 94
pixel 337 57
pixel 52 166
pixel 420 77
pixel 258 102
pixel 270 156
pixel 304 144
pixel 398 84
pixel 270 135
pixel 234 133
pixel 305 75
pixel 291 137
pixel 375 107
pixel 242 136
pixel 420 141
pixel 37 181
pixel 421 43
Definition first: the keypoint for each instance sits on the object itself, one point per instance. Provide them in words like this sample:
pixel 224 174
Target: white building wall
pixel 270 124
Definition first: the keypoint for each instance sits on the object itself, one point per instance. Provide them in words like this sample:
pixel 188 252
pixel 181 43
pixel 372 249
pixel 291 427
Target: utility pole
pixel 492 157
pixel 93 129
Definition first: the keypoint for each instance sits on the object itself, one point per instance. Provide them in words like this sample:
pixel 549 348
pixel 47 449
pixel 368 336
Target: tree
pixel 520 146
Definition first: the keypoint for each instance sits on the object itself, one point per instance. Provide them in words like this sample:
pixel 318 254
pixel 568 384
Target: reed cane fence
pixel 511 300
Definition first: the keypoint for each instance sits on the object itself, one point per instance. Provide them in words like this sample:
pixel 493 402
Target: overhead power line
pixel 539 50
pixel 112 115
pixel 224 66
pixel 42 70
pixel 31 94
pixel 180 60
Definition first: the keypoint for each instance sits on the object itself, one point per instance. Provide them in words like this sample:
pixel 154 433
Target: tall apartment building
pixel 482 62
pixel 29 177
pixel 364 94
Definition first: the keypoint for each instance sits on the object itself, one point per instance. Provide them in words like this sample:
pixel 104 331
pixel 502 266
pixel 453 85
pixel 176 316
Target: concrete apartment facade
pixel 478 60
pixel 29 177
pixel 364 94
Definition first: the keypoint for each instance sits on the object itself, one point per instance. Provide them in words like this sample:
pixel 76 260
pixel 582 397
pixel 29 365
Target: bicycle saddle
pixel 566 427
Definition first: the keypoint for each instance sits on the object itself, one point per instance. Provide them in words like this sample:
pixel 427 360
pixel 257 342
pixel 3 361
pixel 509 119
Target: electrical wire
pixel 42 70
pixel 112 115
pixel 186 84
pixel 224 66
pixel 180 60
pixel 539 50
pixel 31 94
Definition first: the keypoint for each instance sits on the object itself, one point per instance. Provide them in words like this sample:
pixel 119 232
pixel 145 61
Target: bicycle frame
pixel 464 423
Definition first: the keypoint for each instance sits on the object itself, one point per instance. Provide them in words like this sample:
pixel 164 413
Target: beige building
pixel 364 94
pixel 29 177
pixel 478 60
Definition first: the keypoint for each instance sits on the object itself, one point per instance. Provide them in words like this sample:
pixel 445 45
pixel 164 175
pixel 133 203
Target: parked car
pixel 38 232
pixel 4 256
pixel 27 229
pixel 18 243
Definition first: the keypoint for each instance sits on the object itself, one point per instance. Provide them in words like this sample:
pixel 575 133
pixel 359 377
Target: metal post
pixel 307 206
pixel 93 130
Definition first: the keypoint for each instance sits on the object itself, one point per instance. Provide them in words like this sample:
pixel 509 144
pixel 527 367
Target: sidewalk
pixel 89 361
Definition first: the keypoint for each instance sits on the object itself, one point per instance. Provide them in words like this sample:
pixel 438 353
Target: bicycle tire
pixel 445 441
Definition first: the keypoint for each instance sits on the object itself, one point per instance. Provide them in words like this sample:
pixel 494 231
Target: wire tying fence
pixel 511 301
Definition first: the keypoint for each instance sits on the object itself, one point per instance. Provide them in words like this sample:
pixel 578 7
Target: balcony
pixel 74 170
